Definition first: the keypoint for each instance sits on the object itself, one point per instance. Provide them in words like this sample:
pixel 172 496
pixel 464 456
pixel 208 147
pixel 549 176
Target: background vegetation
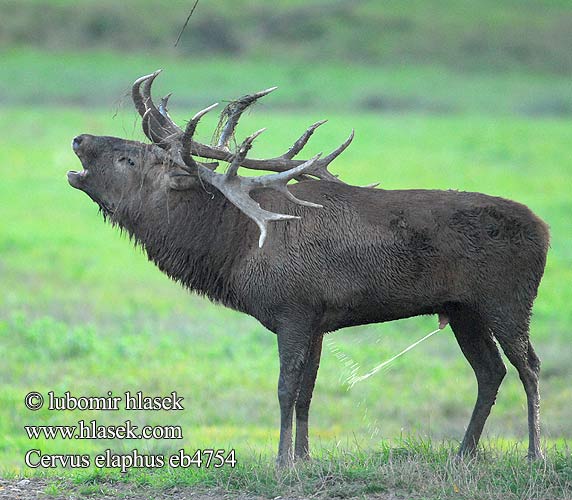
pixel 442 94
pixel 460 34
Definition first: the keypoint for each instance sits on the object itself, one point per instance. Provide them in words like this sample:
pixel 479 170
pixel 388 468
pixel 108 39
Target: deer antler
pixel 236 188
pixel 161 130
pixel 231 114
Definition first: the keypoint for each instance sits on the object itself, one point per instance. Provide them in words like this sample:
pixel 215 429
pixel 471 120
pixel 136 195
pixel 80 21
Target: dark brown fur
pixel 369 255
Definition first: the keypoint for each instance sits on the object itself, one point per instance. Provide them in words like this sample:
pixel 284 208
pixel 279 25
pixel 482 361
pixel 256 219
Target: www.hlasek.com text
pixel 92 430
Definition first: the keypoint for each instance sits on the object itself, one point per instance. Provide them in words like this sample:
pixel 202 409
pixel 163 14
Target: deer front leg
pixel 293 350
pixel 301 448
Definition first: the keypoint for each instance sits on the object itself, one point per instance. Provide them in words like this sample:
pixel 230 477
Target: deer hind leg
pixel 301 447
pixel 293 350
pixel 513 336
pixel 478 346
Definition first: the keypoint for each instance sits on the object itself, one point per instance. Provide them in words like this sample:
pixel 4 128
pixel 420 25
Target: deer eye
pixel 127 160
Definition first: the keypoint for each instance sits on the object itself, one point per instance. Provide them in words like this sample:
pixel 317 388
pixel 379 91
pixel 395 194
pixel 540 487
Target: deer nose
pixel 76 143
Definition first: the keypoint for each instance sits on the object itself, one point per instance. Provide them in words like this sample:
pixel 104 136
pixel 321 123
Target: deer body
pixel 353 256
pixel 368 256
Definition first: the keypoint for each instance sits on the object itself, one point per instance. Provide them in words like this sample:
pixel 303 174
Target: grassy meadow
pixel 82 310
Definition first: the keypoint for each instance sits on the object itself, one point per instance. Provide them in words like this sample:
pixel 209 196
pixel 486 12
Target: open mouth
pixel 76 179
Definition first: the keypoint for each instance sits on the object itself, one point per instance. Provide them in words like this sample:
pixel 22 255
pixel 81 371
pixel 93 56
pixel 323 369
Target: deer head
pixel 112 164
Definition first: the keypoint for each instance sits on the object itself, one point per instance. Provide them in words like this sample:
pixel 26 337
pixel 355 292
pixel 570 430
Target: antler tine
pixel 155 129
pixel 145 124
pixel 293 199
pixel 232 112
pixel 165 130
pixel 187 138
pixel 148 130
pixel 321 169
pixel 242 152
pixel 253 210
pixel 302 141
pixel 279 181
pixel 339 150
pixel 136 94
pixel 271 180
pixel 163 105
pixel 148 81
pixel 194 121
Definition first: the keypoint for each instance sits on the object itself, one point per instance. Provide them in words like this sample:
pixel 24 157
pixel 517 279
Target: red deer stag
pixel 335 255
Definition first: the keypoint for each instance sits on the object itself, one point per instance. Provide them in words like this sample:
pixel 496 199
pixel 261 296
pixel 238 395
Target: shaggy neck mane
pixel 194 237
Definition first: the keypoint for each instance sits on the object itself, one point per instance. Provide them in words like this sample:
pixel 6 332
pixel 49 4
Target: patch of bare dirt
pixel 54 489
pixel 37 488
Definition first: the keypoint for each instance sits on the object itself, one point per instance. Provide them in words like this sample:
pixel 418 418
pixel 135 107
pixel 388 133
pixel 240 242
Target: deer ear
pixel 179 180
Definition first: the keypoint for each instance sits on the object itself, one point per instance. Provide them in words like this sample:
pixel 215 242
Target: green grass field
pixel 81 310
pixel 102 79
